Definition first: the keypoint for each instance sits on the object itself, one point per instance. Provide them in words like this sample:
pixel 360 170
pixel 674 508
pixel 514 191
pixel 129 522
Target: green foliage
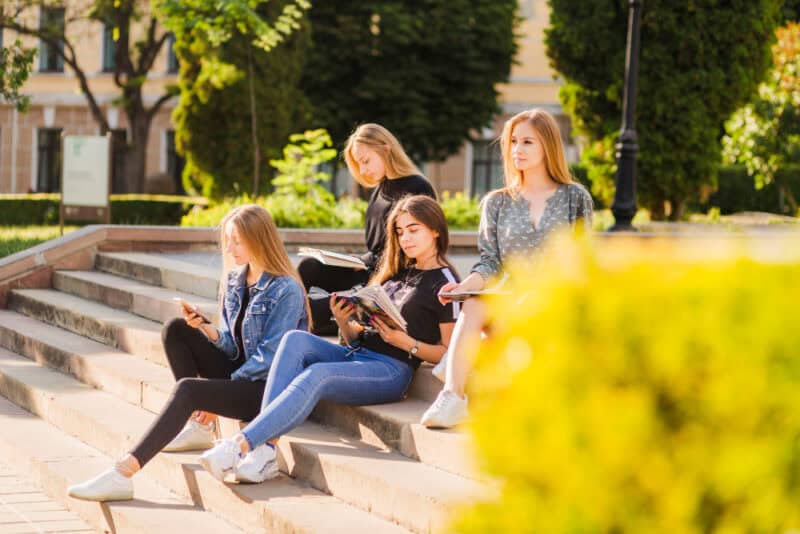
pixel 699 62
pixel 642 402
pixel 18 238
pixel 735 192
pixel 214 115
pixel 42 209
pixel 298 171
pixel 426 69
pixel 16 63
pixel 462 212
pixel 765 134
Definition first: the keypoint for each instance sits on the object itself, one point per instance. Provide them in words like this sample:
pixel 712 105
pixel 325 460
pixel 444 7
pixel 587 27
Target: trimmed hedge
pixel 42 209
pixel 736 192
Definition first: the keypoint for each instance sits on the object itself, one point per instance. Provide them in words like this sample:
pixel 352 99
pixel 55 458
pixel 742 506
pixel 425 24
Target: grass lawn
pixel 16 238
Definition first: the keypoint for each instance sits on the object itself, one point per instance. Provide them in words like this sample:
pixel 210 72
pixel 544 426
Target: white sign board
pixel 85 177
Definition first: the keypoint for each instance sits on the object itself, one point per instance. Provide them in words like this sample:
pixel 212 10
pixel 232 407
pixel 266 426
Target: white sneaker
pixel 257 465
pixel 109 485
pixel 194 437
pixel 222 458
pixel 447 411
pixel 440 369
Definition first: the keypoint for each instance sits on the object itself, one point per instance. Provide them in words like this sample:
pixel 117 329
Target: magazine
pixel 334 259
pixel 370 301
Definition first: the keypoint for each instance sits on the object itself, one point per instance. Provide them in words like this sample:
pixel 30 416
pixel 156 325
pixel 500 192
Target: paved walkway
pixel 25 509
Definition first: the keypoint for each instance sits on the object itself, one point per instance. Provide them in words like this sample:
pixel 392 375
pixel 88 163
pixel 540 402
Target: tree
pixel 213 121
pixel 16 63
pixel 699 63
pixel 765 134
pixel 426 69
pixel 133 60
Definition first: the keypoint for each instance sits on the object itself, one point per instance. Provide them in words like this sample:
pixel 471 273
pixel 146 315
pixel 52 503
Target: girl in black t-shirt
pixel 379 362
pixel 376 160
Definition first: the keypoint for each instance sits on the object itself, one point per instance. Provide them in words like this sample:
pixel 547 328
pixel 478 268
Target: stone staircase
pixel 83 360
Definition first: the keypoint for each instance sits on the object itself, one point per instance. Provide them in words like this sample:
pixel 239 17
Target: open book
pixel 335 259
pixel 370 301
pixel 464 295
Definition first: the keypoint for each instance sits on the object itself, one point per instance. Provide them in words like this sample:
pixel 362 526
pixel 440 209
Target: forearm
pixel 425 351
pixel 474 282
pixel 210 332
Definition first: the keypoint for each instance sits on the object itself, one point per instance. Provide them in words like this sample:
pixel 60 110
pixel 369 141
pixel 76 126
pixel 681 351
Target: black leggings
pixel 203 373
pixel 329 278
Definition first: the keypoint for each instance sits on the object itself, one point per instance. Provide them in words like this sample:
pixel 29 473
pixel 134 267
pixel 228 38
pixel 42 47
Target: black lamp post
pixel 624 206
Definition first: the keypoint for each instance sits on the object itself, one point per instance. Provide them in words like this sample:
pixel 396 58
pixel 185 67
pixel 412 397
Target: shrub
pixel 42 209
pixel 736 192
pixel 461 211
pixel 643 387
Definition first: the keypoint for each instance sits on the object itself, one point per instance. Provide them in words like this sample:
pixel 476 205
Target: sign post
pixel 86 179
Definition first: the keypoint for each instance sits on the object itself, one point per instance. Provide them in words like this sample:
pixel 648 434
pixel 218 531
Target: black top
pixel 414 293
pixel 237 329
pixel 381 203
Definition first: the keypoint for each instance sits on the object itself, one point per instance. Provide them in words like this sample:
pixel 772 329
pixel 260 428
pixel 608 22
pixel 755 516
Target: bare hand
pixel 448 288
pixel 192 317
pixel 342 309
pixel 396 338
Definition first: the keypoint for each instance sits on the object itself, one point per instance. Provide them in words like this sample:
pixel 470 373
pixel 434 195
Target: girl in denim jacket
pixel 219 370
pixel 378 363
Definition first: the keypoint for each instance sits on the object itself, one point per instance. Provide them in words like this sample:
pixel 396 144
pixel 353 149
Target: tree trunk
pixel 136 153
pixel 657 212
pixel 253 124
pixel 678 208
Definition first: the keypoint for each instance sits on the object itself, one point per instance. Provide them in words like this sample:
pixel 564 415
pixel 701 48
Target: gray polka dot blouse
pixel 506 228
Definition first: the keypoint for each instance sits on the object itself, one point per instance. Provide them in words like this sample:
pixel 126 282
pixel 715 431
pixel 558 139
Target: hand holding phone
pixel 190 311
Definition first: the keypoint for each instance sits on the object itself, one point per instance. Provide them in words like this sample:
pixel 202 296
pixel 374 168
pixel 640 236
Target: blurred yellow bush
pixel 643 386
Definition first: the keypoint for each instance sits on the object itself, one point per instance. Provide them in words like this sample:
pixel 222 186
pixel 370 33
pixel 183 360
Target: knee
pixel 309 270
pixel 292 345
pixel 173 330
pixel 185 390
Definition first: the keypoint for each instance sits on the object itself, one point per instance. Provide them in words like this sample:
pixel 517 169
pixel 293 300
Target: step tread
pixel 56 459
pixel 118 424
pixel 159 261
pixel 141 294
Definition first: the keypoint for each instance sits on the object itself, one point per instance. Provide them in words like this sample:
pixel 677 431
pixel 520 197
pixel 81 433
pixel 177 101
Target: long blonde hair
pixel 546 127
pixel 387 146
pixel 428 212
pixel 258 232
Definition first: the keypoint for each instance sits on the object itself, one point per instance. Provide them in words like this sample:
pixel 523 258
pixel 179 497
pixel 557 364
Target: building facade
pixel 30 142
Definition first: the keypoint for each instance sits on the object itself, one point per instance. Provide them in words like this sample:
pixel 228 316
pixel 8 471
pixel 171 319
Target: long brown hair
pixel 387 146
pixel 429 213
pixel 258 232
pixel 546 127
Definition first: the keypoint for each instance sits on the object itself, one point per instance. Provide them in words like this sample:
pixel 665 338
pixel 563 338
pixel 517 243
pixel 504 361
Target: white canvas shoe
pixel 222 458
pixel 447 411
pixel 257 465
pixel 440 369
pixel 194 437
pixel 109 485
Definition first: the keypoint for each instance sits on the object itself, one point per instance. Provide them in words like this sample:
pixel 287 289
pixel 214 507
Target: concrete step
pixel 396 426
pixel 112 327
pixel 151 302
pixel 425 386
pixel 54 460
pixel 199 278
pixel 112 426
pixel 417 496
pixel 124 375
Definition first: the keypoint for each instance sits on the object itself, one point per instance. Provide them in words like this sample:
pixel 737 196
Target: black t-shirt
pixel 381 203
pixel 414 293
pixel 237 329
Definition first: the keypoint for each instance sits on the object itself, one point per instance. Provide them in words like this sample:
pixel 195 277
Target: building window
pixel 109 48
pixel 487 167
pixel 52 21
pixel 175 163
pixel 119 142
pixel 172 59
pixel 48 160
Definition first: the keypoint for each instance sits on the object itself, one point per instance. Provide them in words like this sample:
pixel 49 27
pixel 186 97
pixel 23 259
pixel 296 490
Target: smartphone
pixel 193 309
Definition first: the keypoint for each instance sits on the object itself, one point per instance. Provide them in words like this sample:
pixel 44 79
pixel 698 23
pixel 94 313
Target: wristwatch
pixel 415 348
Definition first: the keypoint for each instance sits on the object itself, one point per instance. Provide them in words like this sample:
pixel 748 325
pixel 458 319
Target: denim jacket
pixel 277 305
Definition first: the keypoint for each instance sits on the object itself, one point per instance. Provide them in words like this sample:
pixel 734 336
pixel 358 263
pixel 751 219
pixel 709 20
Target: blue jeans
pixel 307 369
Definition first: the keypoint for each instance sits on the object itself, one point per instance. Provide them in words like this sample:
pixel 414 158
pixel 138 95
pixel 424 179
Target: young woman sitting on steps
pixel 378 364
pixel 376 160
pixel 219 370
pixel 540 196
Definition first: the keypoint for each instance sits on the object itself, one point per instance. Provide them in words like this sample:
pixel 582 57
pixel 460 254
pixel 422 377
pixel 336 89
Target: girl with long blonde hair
pixel 376 160
pixel 220 370
pixel 539 197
